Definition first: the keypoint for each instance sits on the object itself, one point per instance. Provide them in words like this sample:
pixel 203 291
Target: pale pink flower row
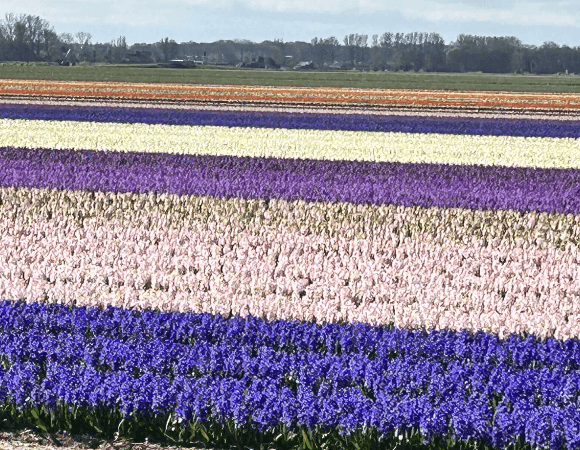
pixel 330 219
pixel 288 271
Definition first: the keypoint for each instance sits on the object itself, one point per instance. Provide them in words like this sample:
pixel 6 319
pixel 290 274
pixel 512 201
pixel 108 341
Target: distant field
pixel 220 75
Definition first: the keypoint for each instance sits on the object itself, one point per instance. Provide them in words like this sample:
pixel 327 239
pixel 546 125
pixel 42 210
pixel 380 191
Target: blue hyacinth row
pixel 351 376
pixel 310 121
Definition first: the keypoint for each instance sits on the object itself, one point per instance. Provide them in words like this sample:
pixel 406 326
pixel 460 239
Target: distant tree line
pixel 30 38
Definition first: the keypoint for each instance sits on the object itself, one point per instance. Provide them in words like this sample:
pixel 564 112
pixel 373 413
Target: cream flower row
pixel 329 219
pixel 288 143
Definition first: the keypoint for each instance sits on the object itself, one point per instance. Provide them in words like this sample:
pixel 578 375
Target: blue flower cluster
pixel 349 377
pixel 309 121
pixel 406 184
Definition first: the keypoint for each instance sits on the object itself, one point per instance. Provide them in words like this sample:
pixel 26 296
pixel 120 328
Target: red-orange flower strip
pixel 244 93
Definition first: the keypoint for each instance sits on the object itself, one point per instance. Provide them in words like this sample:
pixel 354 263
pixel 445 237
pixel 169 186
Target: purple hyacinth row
pixel 405 184
pixel 347 122
pixel 350 376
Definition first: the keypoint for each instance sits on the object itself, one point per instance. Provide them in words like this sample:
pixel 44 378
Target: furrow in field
pixel 565 105
pixel 337 109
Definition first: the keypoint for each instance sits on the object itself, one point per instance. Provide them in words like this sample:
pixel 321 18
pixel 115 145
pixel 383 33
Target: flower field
pixel 291 267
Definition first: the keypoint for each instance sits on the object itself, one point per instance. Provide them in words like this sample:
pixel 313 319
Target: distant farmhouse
pixel 304 65
pixel 180 63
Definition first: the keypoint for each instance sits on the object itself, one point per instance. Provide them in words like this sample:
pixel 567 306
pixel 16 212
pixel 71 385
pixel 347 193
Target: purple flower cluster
pixel 345 376
pixel 406 184
pixel 312 121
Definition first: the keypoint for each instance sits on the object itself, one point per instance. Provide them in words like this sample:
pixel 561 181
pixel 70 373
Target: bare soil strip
pixel 28 439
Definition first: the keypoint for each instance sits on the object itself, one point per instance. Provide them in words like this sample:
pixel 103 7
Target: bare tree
pixel 21 52
pixel 356 44
pixel 317 51
pixel 245 46
pixel 23 37
pixel 375 52
pixel 120 42
pixel 169 48
pixel 361 47
pixel 349 42
pixel 35 27
pixel 279 55
pixel 331 47
pixel 434 52
pixel 66 38
pixel 386 48
pixel 14 32
pixel 51 45
pixel 83 38
pixel 9 24
pixel 116 50
pixel 66 42
pixel 325 50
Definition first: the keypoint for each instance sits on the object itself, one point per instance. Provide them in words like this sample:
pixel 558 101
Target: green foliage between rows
pixel 164 429
pixel 242 76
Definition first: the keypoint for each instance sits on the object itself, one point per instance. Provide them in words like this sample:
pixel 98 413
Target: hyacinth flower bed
pixel 362 381
pixel 292 268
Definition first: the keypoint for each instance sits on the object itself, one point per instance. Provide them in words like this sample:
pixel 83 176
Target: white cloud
pixel 530 14
pixel 208 20
pixel 214 4
pixel 517 12
pixel 130 12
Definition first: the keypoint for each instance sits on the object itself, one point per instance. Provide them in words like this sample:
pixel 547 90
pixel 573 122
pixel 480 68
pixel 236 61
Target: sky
pixel 146 21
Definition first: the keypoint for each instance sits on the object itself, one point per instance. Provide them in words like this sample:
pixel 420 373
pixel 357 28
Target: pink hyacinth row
pixel 289 264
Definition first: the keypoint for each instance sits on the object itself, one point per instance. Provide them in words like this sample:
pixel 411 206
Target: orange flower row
pixel 293 99
pixel 317 91
pixel 257 95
